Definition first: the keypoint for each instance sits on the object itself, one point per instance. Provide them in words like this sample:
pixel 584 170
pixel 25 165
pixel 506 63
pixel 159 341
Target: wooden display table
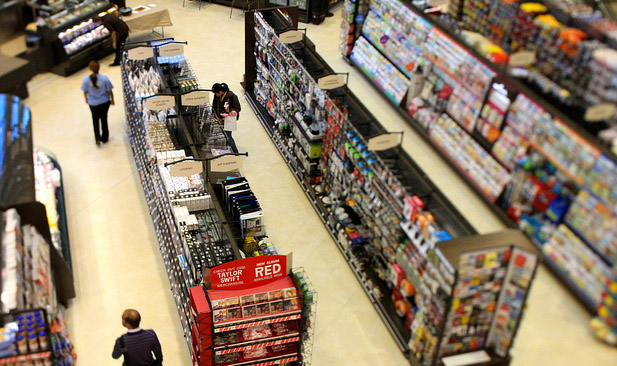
pixel 149 19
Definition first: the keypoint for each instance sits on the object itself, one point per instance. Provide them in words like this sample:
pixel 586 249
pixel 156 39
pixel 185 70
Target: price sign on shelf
pixel 186 168
pixel 291 36
pixel 159 102
pixel 600 112
pixel 171 49
pixel 226 163
pixel 140 53
pixel 384 142
pixel 522 58
pixel 331 82
pixel 197 97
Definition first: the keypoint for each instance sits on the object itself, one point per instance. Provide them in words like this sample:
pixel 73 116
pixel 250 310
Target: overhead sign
pixel 197 97
pixel 600 112
pixel 140 53
pixel 331 81
pixel 159 102
pixel 248 272
pixel 291 36
pixel 226 163
pixel 171 49
pixel 522 58
pixel 384 142
pixel 186 168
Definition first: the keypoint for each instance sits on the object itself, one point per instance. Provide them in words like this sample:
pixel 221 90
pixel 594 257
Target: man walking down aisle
pixel 137 345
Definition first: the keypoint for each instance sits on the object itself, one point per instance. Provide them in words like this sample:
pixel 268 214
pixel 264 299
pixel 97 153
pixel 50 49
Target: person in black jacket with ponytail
pixel 99 96
pixel 226 104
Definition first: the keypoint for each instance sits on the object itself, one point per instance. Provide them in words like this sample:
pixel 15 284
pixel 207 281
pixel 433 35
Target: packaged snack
pixel 258 332
pixel 255 353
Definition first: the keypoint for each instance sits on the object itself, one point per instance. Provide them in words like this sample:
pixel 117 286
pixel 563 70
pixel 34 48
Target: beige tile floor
pixel 117 263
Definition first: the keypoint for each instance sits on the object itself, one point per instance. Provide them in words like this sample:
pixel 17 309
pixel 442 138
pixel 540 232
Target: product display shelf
pixel 173 76
pixel 379 228
pixel 510 82
pixel 166 232
pixel 266 322
pixel 53 175
pixel 28 349
pixel 383 307
pixel 586 163
pixel 17 187
pixel 71 39
pixel 564 277
pixel 36 281
pixel 160 210
pixel 190 138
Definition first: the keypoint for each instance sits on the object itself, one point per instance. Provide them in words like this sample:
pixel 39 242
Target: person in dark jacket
pixel 138 345
pixel 226 104
pixel 119 33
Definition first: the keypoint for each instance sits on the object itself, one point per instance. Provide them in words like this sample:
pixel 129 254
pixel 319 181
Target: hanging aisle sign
pixel 197 97
pixel 384 142
pixel 248 272
pixel 159 102
pixel 291 36
pixel 600 112
pixel 522 58
pixel 226 163
pixel 171 49
pixel 140 53
pixel 186 168
pixel 331 81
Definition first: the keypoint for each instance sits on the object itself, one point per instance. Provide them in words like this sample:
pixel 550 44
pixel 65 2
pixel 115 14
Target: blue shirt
pixel 98 95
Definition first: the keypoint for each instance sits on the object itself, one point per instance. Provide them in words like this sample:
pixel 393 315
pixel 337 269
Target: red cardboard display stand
pixel 250 315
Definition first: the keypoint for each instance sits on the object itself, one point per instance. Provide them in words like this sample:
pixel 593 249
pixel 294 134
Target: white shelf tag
pixel 466 359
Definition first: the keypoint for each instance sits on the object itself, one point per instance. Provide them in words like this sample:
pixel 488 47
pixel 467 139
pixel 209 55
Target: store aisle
pixel 117 263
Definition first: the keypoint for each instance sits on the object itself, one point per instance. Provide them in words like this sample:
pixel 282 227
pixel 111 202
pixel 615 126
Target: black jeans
pixel 231 142
pixel 119 47
pixel 99 114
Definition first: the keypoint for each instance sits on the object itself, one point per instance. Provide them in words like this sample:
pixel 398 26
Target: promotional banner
pixel 248 272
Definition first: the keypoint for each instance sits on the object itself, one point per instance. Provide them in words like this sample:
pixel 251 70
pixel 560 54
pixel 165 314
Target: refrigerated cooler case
pixel 71 39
